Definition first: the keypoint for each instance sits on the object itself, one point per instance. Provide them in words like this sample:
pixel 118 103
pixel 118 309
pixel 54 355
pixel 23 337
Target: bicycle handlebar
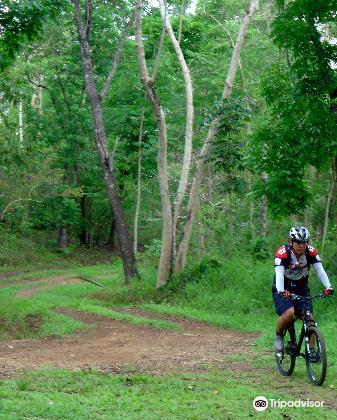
pixel 308 298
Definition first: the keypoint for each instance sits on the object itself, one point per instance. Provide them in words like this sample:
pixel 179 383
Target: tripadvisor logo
pixel 261 403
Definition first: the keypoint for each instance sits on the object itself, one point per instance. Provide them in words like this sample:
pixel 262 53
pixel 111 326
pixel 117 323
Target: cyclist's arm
pixel 279 275
pixel 318 267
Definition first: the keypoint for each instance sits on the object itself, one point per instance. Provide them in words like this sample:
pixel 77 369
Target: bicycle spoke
pixel 285 360
pixel 316 359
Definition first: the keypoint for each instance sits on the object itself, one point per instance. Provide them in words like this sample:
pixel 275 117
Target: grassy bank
pixel 63 395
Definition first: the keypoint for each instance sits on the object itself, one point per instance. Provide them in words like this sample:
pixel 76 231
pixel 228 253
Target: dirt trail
pixel 41 285
pixel 115 346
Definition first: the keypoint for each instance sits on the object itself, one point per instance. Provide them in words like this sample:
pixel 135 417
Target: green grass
pixel 16 315
pixel 64 395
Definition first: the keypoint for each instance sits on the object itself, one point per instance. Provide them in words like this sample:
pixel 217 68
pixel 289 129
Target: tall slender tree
pixel 193 202
pixel 96 98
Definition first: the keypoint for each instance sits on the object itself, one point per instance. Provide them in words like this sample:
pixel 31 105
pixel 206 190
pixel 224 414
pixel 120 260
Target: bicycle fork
pixel 307 322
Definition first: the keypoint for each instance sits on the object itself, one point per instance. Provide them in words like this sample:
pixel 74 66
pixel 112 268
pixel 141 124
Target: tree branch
pixel 117 56
pixel 158 56
pixel 88 17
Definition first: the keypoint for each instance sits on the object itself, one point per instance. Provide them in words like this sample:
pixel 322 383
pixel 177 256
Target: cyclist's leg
pixel 285 320
pixel 285 309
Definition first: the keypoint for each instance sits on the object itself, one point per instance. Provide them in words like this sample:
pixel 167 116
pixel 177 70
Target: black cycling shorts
pixel 282 304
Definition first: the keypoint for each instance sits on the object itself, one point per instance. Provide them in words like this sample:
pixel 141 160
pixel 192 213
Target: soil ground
pixel 117 346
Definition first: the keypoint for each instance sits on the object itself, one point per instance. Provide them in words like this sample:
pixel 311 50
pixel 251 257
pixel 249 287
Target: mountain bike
pixel 314 347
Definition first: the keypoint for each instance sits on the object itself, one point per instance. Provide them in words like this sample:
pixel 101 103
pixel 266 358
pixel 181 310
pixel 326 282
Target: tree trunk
pixel 201 241
pixel 62 238
pixel 127 254
pixel 264 209
pixel 111 240
pixel 193 203
pixel 166 248
pixel 21 123
pixel 181 18
pixel 330 204
pixel 139 180
pixel 84 234
pixel 189 127
pixel 140 137
pixel 326 218
pixel 268 16
pixel 334 192
pixel 251 206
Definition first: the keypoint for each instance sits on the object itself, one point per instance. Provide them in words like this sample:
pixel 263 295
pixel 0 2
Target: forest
pixel 153 157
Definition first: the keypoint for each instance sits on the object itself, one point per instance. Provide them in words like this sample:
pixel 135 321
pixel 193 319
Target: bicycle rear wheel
pixel 285 361
pixel 316 361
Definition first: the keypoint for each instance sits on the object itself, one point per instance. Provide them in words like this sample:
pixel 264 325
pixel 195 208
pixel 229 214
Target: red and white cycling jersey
pixel 295 268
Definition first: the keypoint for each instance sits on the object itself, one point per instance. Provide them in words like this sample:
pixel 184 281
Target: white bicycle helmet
pixel 299 234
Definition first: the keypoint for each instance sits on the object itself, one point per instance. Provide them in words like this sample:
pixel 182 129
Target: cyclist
pixel 292 264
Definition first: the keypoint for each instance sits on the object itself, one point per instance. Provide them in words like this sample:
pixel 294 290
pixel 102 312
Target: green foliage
pixel 233 115
pixel 261 249
pixel 193 274
pixel 298 28
pixel 21 22
pixel 299 129
pixel 17 251
pixel 154 248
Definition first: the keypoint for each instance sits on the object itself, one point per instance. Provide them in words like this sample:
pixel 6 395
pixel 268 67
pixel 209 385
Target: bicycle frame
pixel 307 321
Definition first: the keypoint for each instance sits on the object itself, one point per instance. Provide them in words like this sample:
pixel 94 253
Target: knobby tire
pixel 285 360
pixel 316 369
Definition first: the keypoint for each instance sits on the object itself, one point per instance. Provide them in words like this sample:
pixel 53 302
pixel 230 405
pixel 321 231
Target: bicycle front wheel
pixel 285 360
pixel 315 356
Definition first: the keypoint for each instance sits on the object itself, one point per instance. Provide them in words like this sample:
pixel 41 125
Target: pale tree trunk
pixel 268 16
pixel 251 206
pixel 166 248
pixel 311 180
pixel 326 218
pixel 264 208
pixel 329 206
pixel 188 130
pixel 334 191
pixel 210 188
pixel 182 14
pixel 140 138
pixel 201 240
pixel 139 183
pixel 40 93
pixel 212 133
pixel 40 96
pixel 127 254
pixel 21 123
